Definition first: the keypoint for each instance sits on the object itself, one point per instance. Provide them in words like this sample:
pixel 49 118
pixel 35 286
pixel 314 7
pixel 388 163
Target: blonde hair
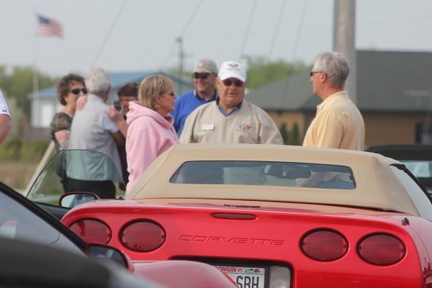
pixel 151 87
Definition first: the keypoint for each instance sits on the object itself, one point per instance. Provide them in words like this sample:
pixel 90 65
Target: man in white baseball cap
pixel 230 119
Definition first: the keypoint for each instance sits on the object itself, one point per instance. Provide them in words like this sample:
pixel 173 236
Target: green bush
pixel 22 151
pixel 290 137
pixel 294 135
pixel 284 132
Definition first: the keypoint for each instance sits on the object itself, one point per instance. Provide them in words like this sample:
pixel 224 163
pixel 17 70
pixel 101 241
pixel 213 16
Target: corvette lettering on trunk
pixel 233 240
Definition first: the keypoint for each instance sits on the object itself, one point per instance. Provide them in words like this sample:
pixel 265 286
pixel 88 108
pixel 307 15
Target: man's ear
pixel 323 77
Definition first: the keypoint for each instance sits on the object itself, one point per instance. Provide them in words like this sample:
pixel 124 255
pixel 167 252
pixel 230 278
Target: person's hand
pixel 81 102
pixel 115 115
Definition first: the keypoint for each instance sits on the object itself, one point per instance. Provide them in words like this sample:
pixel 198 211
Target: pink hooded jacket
pixel 149 134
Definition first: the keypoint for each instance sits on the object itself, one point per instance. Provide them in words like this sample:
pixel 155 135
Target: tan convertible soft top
pixel 377 187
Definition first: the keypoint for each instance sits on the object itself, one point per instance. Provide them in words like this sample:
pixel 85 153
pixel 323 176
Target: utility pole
pixel 344 40
pixel 181 55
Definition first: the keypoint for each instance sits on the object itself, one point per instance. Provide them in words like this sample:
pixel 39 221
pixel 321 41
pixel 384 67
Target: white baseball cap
pixel 231 69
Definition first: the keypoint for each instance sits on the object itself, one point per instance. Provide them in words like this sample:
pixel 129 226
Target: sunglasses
pixel 229 82
pixel 77 91
pixel 203 75
pixel 314 72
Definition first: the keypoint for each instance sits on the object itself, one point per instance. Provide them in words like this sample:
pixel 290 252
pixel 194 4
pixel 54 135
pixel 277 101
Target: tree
pixel 290 137
pixel 284 132
pixel 18 85
pixel 262 71
pixel 294 137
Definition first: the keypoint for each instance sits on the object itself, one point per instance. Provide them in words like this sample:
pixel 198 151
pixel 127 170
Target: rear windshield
pixel 420 169
pixel 285 174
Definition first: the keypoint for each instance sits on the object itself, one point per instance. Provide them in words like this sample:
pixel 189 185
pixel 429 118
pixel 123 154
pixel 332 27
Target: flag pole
pixel 35 74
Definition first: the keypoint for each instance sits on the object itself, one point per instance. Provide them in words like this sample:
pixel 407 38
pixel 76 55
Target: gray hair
pixel 98 82
pixel 335 65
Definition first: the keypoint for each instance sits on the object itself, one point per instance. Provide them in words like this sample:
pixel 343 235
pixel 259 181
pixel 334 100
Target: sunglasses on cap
pixel 77 91
pixel 229 82
pixel 203 75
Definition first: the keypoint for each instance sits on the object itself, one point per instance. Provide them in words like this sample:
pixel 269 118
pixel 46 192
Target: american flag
pixel 49 27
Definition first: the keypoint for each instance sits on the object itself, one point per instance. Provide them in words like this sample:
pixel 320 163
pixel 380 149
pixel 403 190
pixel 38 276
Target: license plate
pixel 245 276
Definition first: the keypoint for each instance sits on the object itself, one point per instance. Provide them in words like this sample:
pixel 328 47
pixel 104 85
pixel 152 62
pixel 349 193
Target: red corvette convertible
pixel 273 216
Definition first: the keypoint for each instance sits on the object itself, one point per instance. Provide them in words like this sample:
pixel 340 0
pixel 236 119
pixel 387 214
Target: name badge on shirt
pixel 208 127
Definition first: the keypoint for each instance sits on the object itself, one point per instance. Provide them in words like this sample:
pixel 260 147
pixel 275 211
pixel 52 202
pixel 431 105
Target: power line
pixel 296 42
pixel 109 33
pixel 277 29
pixel 297 39
pixel 191 17
pixel 248 28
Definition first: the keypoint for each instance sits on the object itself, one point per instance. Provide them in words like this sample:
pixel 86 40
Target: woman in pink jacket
pixel 150 129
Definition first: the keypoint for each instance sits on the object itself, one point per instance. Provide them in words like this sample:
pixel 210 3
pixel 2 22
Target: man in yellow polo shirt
pixel 338 122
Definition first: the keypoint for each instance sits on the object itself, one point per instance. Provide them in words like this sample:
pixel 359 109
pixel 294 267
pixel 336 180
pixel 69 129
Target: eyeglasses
pixel 229 82
pixel 203 75
pixel 314 72
pixel 77 91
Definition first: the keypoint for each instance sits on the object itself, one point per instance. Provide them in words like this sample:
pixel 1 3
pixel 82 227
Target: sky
pixel 143 35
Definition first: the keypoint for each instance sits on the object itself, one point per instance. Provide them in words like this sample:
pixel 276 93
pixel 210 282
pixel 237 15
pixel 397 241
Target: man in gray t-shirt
pixel 93 130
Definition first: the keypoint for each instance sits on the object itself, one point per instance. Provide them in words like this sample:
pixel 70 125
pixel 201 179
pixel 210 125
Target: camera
pixel 117 105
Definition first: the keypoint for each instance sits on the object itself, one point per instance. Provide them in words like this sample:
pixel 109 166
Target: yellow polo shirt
pixel 338 124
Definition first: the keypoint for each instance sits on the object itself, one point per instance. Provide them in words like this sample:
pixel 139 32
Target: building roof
pixel 120 78
pixel 386 81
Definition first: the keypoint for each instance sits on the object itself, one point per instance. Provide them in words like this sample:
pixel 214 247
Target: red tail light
pixel 92 231
pixel 381 249
pixel 324 245
pixel 143 236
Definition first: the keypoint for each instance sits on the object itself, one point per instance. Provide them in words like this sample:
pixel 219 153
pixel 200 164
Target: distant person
pixel 338 122
pixel 127 93
pixel 5 118
pixel 151 130
pixel 204 79
pixel 69 88
pixel 93 130
pixel 230 119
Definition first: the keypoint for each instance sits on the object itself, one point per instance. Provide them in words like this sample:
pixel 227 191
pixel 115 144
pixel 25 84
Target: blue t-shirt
pixel 184 105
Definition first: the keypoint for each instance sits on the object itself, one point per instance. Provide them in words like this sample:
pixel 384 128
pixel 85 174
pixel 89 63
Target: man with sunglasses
pixel 230 119
pixel 204 79
pixel 338 122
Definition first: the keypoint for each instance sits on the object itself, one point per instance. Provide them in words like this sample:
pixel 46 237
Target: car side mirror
pixel 72 199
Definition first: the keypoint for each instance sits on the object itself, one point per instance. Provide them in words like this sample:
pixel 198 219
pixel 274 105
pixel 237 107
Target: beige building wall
pixel 381 128
pixel 289 118
pixel 392 128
